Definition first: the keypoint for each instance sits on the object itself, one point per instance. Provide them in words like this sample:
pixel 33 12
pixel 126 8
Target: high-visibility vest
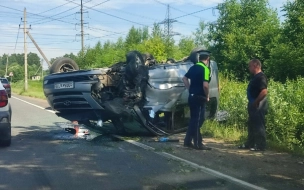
pixel 207 71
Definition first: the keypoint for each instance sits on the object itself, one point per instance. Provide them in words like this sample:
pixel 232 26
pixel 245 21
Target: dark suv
pixel 7 86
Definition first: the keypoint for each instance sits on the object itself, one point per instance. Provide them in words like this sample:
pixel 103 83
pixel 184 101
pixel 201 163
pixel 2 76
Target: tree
pixel 134 37
pixel 201 35
pixel 156 47
pixel 185 46
pixel 18 71
pixel 33 59
pixel 71 55
pixel 286 59
pixel 156 31
pixel 245 29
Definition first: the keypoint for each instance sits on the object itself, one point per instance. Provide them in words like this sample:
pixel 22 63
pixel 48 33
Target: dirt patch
pixel 268 169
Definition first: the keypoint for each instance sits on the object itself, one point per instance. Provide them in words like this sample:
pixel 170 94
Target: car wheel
pixel 134 61
pixel 63 64
pixel 8 141
pixel 9 95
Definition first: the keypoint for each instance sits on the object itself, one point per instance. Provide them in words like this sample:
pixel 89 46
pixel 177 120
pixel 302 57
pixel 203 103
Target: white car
pixel 129 93
pixel 5 118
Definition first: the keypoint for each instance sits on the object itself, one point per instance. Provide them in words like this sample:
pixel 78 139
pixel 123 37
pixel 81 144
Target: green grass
pixel 223 131
pixel 284 121
pixel 35 89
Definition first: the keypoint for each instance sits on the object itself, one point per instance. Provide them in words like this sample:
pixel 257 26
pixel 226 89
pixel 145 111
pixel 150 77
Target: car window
pixel 5 81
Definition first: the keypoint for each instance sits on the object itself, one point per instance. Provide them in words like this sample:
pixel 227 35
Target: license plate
pixel 64 85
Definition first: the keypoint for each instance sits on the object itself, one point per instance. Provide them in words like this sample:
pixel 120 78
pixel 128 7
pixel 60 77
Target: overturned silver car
pixel 134 91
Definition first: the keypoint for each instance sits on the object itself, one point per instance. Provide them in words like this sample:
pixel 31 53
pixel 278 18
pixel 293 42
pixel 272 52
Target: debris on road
pixel 78 130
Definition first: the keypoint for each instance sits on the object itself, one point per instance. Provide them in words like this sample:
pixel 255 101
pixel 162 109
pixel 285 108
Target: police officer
pixel 199 75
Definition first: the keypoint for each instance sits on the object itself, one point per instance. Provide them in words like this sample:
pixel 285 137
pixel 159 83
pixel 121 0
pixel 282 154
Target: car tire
pixel 7 142
pixel 9 95
pixel 134 61
pixel 63 64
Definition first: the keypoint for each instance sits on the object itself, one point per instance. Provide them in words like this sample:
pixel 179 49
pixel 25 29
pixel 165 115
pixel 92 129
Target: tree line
pixel 15 63
pixel 244 29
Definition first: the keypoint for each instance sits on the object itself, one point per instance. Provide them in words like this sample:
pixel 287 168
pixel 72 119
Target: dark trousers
pixel 256 125
pixel 197 117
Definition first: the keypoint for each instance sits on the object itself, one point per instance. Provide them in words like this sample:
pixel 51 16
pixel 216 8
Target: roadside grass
pixel 34 89
pixel 284 121
pixel 222 131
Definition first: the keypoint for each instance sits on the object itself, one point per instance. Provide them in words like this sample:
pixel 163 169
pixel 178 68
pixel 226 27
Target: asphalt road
pixel 44 156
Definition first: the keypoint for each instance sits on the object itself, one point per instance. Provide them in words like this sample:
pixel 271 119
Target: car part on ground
pixel 128 93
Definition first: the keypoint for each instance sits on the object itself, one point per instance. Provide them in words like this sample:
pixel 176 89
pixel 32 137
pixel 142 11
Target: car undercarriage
pixel 126 93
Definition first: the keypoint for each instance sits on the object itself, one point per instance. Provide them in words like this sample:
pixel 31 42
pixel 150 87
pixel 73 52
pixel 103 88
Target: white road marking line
pixel 33 105
pixel 167 155
pixel 202 168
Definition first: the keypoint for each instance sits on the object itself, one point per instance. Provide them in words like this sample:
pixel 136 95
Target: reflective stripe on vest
pixel 207 72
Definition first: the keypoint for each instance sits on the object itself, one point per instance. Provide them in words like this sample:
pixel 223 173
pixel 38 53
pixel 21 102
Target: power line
pixel 57 13
pixel 174 8
pixel 54 19
pixel 34 14
pixel 54 16
pixel 53 8
pixel 17 36
pixel 112 15
pixel 106 30
pixel 195 12
pixel 141 16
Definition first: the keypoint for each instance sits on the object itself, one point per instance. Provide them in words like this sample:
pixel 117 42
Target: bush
pixel 284 121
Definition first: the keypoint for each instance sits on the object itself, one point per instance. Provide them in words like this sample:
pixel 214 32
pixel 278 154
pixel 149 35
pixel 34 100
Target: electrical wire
pixel 111 14
pixel 55 19
pixel 39 21
pixel 54 8
pixel 106 30
pixel 174 8
pixel 17 37
pixel 188 14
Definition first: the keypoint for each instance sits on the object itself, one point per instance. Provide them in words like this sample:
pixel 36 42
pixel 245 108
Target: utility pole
pixel 6 66
pixel 81 26
pixel 41 62
pixel 81 13
pixel 168 30
pixel 25 52
pixel 47 61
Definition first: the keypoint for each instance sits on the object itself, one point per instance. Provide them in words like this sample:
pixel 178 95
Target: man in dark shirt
pixel 198 87
pixel 257 108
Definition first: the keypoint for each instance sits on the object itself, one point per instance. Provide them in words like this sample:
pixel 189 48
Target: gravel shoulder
pixel 268 169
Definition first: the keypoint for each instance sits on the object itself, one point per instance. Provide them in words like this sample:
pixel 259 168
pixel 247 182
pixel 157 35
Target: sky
pixel 55 24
